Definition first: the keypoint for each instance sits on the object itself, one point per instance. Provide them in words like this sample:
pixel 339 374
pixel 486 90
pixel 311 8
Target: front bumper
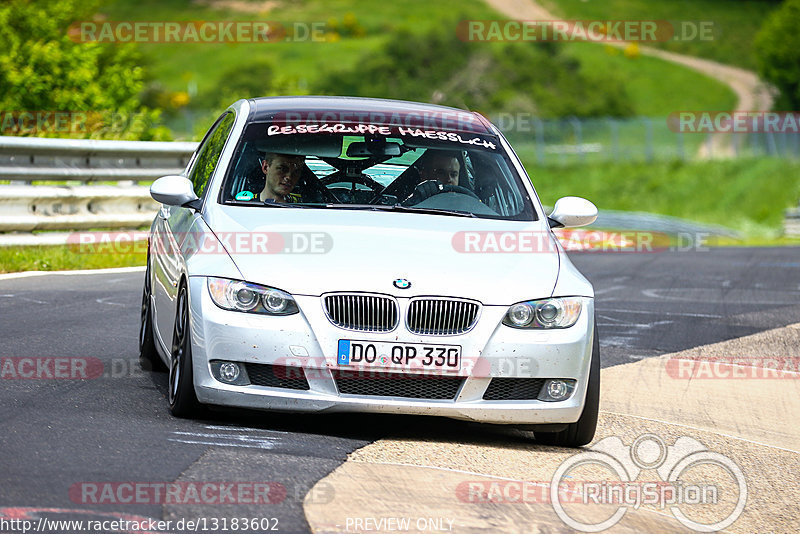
pixel 308 340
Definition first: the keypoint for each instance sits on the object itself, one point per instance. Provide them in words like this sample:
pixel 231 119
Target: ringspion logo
pixel 691 478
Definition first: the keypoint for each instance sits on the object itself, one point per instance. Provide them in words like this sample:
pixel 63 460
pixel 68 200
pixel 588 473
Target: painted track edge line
pixel 113 270
pixel 710 431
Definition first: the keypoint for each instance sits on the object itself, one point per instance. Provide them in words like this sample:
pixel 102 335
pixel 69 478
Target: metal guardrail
pixel 26 207
pixel 37 159
pixel 791 222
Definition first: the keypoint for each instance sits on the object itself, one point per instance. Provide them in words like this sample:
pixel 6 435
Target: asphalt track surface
pixel 56 434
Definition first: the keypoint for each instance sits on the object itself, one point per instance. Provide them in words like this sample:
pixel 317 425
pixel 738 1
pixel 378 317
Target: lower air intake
pixel 276 376
pixel 514 389
pixel 408 386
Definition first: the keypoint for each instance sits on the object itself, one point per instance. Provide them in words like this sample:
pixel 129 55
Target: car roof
pixel 376 111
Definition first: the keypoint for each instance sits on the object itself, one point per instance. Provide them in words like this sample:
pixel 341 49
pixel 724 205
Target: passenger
pixel 282 173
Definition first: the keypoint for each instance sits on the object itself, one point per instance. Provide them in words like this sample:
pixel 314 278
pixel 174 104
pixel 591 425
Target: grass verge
pixel 66 258
pixel 748 195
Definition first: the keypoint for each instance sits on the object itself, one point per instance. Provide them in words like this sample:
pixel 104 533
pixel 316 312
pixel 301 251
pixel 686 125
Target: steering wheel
pixel 448 188
pixel 363 179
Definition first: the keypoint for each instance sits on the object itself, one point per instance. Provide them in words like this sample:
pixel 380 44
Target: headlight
pixel 560 312
pixel 242 296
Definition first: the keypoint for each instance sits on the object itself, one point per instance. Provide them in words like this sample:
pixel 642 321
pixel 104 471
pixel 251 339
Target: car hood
pixel 315 251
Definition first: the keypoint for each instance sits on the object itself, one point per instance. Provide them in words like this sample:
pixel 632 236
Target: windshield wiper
pixel 370 207
pixel 431 211
pixel 260 204
pixel 398 207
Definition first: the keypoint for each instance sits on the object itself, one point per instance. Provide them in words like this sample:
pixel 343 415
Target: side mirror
pixel 175 191
pixel 571 212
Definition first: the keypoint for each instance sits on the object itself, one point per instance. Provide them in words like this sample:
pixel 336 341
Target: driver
pixel 442 166
pixel 282 173
pixel 437 168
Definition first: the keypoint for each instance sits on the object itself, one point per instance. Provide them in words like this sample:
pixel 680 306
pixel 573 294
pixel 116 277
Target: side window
pixel 209 152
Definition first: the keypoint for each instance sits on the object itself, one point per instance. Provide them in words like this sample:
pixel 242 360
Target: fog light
pixel 557 389
pixel 229 372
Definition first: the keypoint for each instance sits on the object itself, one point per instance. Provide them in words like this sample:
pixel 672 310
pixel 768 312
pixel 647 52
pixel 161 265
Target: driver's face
pixel 282 174
pixel 443 169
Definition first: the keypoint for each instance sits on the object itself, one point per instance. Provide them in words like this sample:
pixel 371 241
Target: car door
pixel 172 226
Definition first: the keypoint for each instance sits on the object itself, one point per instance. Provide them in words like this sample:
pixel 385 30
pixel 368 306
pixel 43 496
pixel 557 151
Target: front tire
pixel 148 354
pixel 182 398
pixel 582 431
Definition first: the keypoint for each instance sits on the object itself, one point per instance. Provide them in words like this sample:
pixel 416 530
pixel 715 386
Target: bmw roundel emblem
pixel 402 283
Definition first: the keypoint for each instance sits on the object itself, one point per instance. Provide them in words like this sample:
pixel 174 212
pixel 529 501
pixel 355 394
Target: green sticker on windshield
pixel 245 195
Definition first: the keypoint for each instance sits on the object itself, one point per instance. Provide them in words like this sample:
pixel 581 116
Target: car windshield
pixel 386 168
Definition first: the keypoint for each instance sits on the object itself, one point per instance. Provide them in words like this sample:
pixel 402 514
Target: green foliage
pixel 441 68
pixel 241 81
pixel 777 47
pixel 191 75
pixel 733 23
pixel 655 87
pixel 43 69
pixel 348 27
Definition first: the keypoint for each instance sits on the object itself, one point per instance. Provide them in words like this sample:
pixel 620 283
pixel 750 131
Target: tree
pixel 42 69
pixel 777 47
pixel 441 68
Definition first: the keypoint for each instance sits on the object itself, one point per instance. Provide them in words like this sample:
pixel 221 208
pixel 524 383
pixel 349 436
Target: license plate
pixel 380 354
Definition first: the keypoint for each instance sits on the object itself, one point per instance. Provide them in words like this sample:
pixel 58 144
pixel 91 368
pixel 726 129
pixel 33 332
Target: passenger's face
pixel 282 175
pixel 443 169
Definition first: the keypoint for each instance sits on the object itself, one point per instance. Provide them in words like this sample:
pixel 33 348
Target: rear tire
pixel 148 354
pixel 582 431
pixel 182 398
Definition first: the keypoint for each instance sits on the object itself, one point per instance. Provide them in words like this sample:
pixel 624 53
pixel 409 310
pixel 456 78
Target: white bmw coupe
pixel 347 254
